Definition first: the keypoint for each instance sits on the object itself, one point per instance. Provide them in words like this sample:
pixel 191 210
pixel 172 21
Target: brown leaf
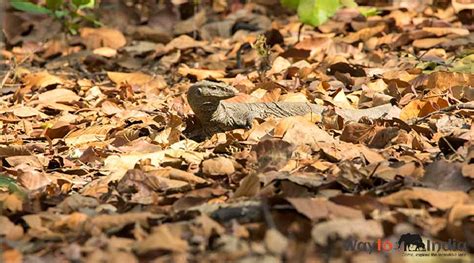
pixel 162 238
pixel 429 42
pixel 457 221
pixel 11 202
pixel 298 130
pixel 468 166
pixel 366 204
pixel 363 34
pixel 177 174
pixel 76 202
pixel 201 74
pixel 58 95
pixel 90 134
pixel 419 108
pixel 116 222
pixel 58 130
pixel 273 154
pixel 441 31
pixel 25 112
pixel 344 228
pixel 249 186
pixel 105 52
pixel 275 241
pixel 31 178
pixel 12 256
pixel 446 176
pixel 41 80
pixel 440 199
pixel 439 82
pixel 319 208
pixel 136 78
pixel 259 131
pixel 9 230
pixel 355 132
pixel 218 166
pixel 102 37
pixel 386 110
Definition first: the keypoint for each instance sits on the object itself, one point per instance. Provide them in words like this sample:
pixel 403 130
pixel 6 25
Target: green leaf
pixel 290 4
pixel 54 4
pixel 464 65
pixel 83 3
pixel 60 13
pixel 349 3
pixel 11 185
pixel 368 11
pixel 316 12
pixel 28 7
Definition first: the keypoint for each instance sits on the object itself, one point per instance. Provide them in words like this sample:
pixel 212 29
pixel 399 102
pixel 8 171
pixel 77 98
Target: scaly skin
pixel 206 98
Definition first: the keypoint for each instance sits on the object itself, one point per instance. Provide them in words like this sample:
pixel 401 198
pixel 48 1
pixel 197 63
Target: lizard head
pixel 204 97
pixel 211 91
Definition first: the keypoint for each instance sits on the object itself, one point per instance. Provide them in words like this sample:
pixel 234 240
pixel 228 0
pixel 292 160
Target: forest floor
pixel 103 159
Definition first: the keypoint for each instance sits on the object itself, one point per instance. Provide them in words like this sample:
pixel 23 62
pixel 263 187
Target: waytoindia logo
pixel 409 243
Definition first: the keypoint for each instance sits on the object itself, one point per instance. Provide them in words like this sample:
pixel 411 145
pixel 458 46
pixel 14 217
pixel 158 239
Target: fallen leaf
pixel 218 166
pixel 161 239
pixel 446 176
pixel 363 34
pixel 136 78
pixel 58 95
pixel 87 135
pixel 275 241
pixel 9 230
pixel 12 256
pixel 298 130
pixel 116 222
pixel 429 42
pixel 441 31
pixel 95 38
pixel 249 186
pixel 440 199
pixel 25 112
pixel 344 228
pixel 105 52
pixel 319 208
pixel 41 80
pixel 201 74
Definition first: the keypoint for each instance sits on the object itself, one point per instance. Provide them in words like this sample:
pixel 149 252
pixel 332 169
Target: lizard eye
pixel 199 91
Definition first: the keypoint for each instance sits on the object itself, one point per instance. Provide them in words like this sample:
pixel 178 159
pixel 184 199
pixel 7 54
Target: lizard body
pixel 207 99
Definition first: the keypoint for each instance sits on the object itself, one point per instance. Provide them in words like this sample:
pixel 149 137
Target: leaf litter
pixel 104 160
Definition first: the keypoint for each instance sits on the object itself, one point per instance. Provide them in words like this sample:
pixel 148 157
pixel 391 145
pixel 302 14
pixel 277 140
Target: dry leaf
pixel 298 130
pixel 9 230
pixel 363 34
pixel 249 186
pixel 318 208
pixel 95 38
pixel 105 52
pixel 441 31
pixel 90 134
pixel 201 74
pixel 161 239
pixel 440 199
pixel 275 242
pixel 344 228
pixel 218 166
pixel 429 42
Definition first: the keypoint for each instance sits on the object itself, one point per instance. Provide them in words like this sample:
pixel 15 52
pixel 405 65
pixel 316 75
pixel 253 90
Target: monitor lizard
pixel 207 100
